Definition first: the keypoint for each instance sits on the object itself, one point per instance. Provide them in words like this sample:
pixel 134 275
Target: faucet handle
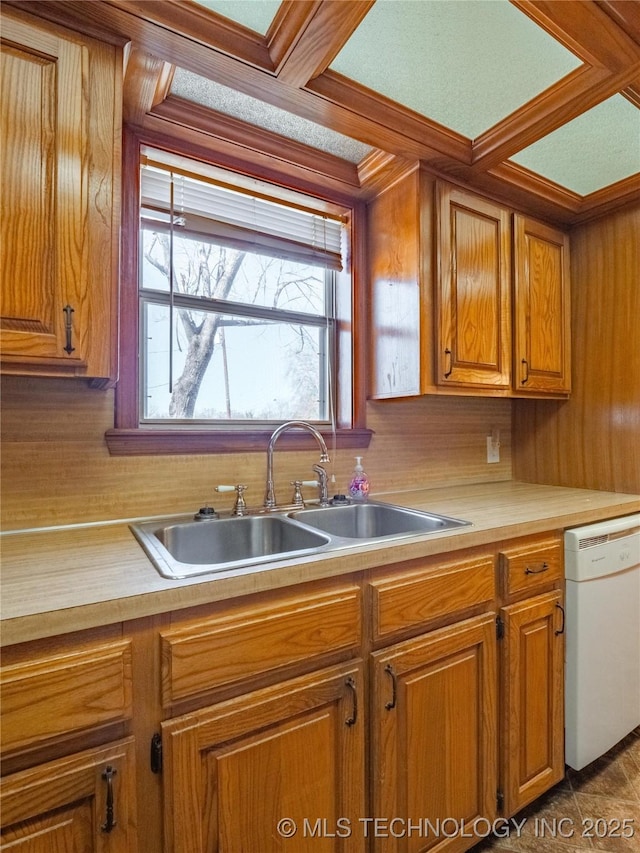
pixel 240 507
pixel 297 500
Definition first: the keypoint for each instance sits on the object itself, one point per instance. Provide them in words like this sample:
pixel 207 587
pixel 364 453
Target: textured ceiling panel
pixel 596 149
pixel 463 63
pixel 255 14
pixel 228 101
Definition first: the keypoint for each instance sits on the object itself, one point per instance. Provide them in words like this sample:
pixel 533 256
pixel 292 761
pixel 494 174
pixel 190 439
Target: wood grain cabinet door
pixel 473 290
pixel 85 802
pixel 532 724
pixel 60 132
pixel 278 769
pixel 542 352
pixel 434 737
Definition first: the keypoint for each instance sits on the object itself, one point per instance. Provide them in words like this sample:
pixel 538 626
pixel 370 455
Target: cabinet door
pixel 542 353
pixel 283 762
pixel 532 724
pixel 434 736
pixel 473 291
pixel 60 144
pixel 81 803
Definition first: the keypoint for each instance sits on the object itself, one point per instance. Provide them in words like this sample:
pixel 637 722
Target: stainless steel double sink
pixel 181 547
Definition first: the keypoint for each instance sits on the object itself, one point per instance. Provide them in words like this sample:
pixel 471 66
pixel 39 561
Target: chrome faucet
pixel 270 497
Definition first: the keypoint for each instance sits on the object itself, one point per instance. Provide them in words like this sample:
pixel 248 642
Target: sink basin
pixel 184 548
pixel 374 521
pixel 180 547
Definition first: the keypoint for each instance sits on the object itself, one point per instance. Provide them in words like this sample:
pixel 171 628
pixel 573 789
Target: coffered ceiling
pixel 536 102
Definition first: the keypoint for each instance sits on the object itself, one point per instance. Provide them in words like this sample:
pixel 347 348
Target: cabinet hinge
pixel 155 753
pixel 499 800
pixel 499 627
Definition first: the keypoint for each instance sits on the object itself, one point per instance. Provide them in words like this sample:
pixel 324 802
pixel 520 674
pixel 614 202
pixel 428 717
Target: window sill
pixel 166 442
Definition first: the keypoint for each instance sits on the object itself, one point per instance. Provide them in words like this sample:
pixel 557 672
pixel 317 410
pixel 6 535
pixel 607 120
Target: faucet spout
pixel 270 497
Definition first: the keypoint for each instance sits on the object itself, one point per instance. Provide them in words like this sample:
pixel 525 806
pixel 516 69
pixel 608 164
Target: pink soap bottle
pixel 359 483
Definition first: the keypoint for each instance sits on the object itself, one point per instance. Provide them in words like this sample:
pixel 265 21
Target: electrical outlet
pixel 493 450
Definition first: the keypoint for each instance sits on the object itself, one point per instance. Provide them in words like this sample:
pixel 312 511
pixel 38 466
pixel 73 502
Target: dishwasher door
pixel 602 680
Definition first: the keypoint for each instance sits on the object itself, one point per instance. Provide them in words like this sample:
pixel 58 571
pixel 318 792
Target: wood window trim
pixel 128 437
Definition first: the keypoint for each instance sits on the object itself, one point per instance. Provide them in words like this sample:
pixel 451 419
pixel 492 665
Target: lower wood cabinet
pixel 276 736
pixel 276 769
pixel 532 744
pixel 434 720
pixel 84 802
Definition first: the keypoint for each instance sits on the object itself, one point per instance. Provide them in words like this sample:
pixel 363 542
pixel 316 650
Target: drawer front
pixel 408 600
pixel 531 566
pixel 250 642
pixel 64 694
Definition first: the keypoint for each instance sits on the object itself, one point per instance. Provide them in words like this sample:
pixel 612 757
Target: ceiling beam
pixel 625 14
pixel 586 30
pixel 306 35
pixel 576 93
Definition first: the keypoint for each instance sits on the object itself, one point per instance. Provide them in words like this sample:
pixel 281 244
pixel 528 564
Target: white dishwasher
pixel 602 680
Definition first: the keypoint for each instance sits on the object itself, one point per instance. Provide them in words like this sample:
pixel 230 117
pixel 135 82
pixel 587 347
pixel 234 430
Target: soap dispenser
pixel 359 483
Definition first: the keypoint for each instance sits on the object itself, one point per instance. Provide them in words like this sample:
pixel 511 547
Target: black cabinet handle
pixel 110 820
pixel 448 372
pixel 526 371
pixel 561 631
pixel 68 328
pixel 543 568
pixel 394 687
pixel 351 684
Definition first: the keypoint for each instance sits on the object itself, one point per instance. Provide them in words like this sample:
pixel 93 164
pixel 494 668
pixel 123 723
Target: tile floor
pixel 597 808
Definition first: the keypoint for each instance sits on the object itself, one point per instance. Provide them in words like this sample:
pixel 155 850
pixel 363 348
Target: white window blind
pixel 240 219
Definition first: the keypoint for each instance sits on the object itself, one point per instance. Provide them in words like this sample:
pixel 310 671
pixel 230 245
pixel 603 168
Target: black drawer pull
pixel 543 568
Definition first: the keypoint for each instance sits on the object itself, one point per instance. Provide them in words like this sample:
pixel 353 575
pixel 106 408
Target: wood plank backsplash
pixel 56 468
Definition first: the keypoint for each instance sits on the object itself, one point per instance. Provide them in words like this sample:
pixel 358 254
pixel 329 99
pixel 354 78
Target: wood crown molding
pixel 604 34
pixel 306 35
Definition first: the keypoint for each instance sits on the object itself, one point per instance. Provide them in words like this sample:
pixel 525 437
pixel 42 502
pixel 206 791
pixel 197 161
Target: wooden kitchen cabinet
pixel 532 757
pixel 449 311
pixel 83 802
pixel 434 733
pixel 473 290
pixel 61 129
pixel 260 708
pixel 532 671
pixel 542 316
pixel 56 794
pixel 290 752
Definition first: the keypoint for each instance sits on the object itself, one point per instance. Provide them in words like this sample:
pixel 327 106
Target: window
pixel 237 311
pixel 236 305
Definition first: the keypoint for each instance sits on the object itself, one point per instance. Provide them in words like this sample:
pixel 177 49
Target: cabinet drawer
pixel 531 566
pixel 64 694
pixel 406 600
pixel 256 640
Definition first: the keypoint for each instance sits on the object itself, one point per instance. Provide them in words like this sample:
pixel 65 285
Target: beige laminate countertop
pixel 59 580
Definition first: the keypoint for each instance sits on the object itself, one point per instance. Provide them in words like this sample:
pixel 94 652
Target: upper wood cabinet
pixel 473 290
pixel 542 315
pixel 401 299
pixel 61 130
pixel 465 297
